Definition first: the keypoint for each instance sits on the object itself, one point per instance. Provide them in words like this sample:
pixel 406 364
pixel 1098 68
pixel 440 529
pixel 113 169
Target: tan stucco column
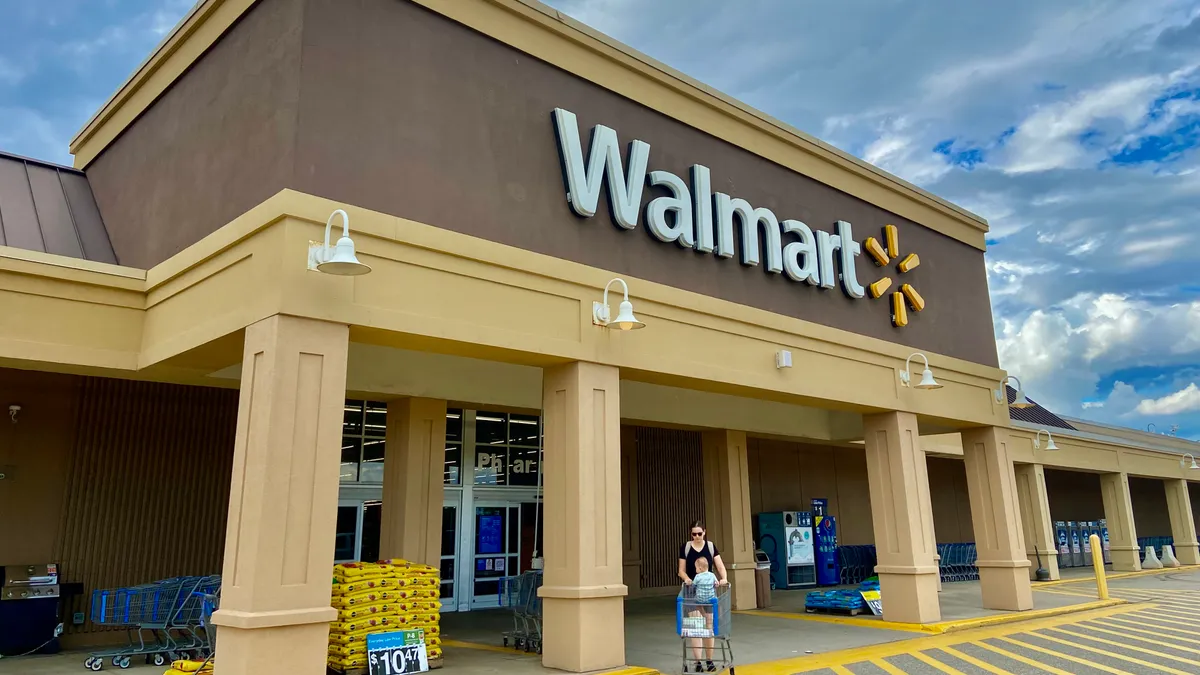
pixel 1118 511
pixel 413 470
pixel 727 489
pixel 1036 525
pixel 1003 567
pixel 908 575
pixel 275 612
pixel 1183 525
pixel 583 597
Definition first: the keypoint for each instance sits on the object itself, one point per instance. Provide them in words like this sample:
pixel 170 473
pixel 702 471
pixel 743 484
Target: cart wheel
pixel 87 665
pixel 97 665
pixel 539 648
pixel 527 647
pixel 505 642
pixel 116 661
pixel 124 662
pixel 160 660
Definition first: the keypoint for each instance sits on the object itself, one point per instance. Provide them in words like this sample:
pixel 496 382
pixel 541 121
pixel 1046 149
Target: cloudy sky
pixel 1072 126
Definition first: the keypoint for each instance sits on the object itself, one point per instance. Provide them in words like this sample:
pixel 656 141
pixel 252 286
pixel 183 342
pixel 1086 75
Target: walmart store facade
pixel 194 399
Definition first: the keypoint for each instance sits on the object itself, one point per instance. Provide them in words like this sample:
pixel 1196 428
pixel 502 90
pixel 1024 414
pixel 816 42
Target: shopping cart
pixel 521 594
pixel 704 624
pixel 209 602
pixel 161 620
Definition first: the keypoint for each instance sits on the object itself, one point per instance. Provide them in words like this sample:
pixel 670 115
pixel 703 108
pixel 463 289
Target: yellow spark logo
pixel 906 297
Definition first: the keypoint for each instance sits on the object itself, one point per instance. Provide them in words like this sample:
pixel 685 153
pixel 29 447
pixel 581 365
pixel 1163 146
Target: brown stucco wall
pixel 217 143
pixel 385 105
pixel 1074 495
pixel 787 476
pixel 1151 517
pixel 951 501
pixel 119 482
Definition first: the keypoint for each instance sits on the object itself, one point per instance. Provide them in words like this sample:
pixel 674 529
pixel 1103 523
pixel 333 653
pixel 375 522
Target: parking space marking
pixel 1060 655
pixel 934 663
pixel 1101 652
pixel 974 661
pixel 1023 659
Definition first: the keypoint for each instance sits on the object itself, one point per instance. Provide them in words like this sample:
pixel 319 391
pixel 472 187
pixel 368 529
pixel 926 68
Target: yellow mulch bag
pixel 431 629
pixel 424 619
pixel 344 662
pixel 348 650
pixel 358 586
pixel 347 638
pixel 359 611
pixel 431 641
pixel 367 623
pixel 433 652
pixel 188 666
pixel 371 597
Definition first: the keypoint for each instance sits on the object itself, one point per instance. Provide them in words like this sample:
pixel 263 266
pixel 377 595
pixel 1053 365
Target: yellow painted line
pixel 486 648
pixel 1022 659
pixel 974 661
pixel 632 670
pixel 1111 655
pixel 887 667
pixel 1065 657
pixel 840 670
pixel 798 664
pixel 1130 627
pixel 1066 628
pixel 1115 575
pixel 1063 591
pixel 1160 643
pixel 934 663
pixel 942 626
pixel 1180 618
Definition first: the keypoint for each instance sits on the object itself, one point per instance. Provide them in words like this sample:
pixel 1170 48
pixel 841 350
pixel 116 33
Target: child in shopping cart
pixel 704 586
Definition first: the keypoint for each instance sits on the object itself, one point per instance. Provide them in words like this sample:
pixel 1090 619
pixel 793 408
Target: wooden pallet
pixel 837 610
pixel 433 665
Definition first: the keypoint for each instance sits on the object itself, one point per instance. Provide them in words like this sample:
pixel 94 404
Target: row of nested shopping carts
pixel 520 593
pixel 165 621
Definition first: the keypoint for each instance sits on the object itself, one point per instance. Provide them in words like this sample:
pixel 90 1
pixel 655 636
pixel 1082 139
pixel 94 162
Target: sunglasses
pixel 697 534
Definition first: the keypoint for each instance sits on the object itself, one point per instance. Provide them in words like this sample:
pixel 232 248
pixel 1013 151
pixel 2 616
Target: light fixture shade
pixel 927 381
pixel 625 319
pixel 1020 401
pixel 1050 446
pixel 1194 464
pixel 344 262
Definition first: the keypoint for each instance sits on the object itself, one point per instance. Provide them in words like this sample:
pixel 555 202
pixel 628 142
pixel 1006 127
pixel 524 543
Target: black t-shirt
pixel 689 554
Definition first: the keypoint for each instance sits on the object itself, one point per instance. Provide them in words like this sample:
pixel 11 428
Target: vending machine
pixel 1076 545
pixel 1085 542
pixel 1064 544
pixel 1103 526
pixel 787 539
pixel 828 573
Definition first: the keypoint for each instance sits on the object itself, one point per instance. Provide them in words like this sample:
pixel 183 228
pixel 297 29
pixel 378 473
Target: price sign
pixel 873 601
pixel 397 653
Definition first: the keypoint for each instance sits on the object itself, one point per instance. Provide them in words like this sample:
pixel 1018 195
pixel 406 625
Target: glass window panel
pixel 523 466
pixel 491 465
pixel 523 429
pixel 351 453
pixel 484 588
pixel 491 428
pixel 372 519
pixel 454 425
pixel 447 572
pixel 449 531
pixel 376 419
pixel 453 470
pixel 352 418
pixel 372 462
pixel 514 529
pixel 347 526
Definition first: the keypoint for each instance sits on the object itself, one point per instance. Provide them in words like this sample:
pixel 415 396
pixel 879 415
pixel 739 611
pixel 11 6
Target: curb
pixel 943 626
pixel 1116 575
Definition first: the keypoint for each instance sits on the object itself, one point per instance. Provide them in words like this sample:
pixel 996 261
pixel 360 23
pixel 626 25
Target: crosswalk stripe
pixel 1066 629
pixel 934 663
pixel 1169 619
pixel 1140 628
pixel 974 661
pixel 1110 655
pixel 1109 631
pixel 1023 659
pixel 887 667
pixel 840 670
pixel 1067 657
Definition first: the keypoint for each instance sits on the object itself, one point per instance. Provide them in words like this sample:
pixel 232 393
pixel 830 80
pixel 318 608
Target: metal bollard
pixel 1098 565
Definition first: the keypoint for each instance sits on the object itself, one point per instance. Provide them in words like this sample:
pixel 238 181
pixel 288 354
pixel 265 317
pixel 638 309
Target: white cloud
pixel 10 73
pixel 1182 401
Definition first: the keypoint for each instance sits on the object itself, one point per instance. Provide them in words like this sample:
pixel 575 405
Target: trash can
pixel 762 579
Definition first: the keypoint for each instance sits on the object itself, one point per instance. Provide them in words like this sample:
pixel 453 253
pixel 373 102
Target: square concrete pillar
pixel 1035 519
pixel 727 490
pixel 1003 567
pixel 1118 511
pixel 1183 525
pixel 275 611
pixel 583 597
pixel 413 471
pixel 902 516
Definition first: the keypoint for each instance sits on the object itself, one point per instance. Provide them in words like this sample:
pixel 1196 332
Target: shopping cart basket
pixel 704 623
pixel 521 594
pixel 161 620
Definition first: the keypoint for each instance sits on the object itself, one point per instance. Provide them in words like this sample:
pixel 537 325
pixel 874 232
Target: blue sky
pixel 1071 126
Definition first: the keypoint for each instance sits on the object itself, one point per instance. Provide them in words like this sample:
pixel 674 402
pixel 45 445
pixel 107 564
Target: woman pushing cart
pixel 702 618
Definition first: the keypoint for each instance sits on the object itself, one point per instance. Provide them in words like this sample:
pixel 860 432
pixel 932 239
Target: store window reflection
pixel 364 443
pixel 506 448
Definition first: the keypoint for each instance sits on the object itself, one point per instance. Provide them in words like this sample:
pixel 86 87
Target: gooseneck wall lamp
pixel 1189 458
pixel 1037 441
pixel 339 259
pixel 927 381
pixel 1020 401
pixel 602 314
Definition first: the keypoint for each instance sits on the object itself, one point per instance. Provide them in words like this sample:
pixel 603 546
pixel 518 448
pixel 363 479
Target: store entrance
pixel 506 534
